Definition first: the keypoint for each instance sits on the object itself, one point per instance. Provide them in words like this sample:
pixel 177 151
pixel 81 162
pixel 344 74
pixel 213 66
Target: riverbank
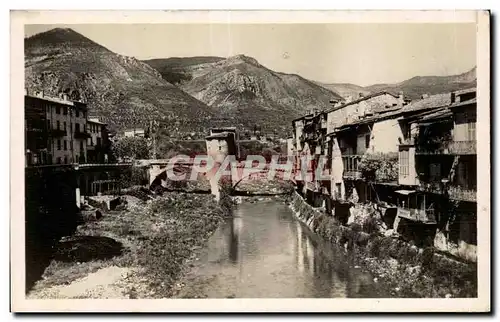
pixel 136 252
pixel 408 270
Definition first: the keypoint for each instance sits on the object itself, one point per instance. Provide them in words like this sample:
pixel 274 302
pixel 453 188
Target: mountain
pixel 413 88
pixel 121 90
pixel 417 86
pixel 244 92
pixel 345 89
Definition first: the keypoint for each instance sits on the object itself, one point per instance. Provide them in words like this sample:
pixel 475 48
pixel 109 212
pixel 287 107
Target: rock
pixel 393 263
pixel 356 266
pixel 448 296
pixel 375 280
pixel 397 289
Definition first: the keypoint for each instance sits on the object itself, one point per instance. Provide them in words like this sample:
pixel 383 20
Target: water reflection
pixel 264 252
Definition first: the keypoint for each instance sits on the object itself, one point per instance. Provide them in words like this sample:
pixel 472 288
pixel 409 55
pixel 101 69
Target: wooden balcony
pixel 462 194
pixel 351 166
pixel 462 147
pixel 424 216
pixel 452 148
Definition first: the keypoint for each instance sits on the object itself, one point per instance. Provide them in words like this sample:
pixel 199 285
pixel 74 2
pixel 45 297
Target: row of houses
pixel 417 159
pixel 59 131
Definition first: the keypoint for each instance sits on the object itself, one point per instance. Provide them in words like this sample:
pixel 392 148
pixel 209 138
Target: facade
pixel 63 129
pixel 416 158
pixel 57 130
pixel 97 143
pixel 137 132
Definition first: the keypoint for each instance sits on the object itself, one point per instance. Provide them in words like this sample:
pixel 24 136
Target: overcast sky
pixel 361 54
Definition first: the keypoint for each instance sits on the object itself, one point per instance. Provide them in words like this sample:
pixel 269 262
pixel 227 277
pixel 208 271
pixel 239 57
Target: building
pixel 417 159
pixel 135 132
pixel 55 129
pixel 98 142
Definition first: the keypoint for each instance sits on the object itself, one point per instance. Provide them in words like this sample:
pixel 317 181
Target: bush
pixel 379 167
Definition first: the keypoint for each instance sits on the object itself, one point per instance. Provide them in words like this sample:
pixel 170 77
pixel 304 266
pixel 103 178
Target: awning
pixel 405 192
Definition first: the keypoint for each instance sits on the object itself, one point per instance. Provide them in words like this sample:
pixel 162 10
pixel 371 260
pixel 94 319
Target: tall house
pixel 98 142
pixel 55 129
pixel 437 165
pixel 361 127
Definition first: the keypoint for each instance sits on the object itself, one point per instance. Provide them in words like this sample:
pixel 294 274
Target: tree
pixel 130 147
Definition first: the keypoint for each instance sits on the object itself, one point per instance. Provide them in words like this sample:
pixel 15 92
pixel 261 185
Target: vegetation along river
pixel 264 252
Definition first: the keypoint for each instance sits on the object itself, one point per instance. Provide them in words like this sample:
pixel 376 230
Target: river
pixel 264 252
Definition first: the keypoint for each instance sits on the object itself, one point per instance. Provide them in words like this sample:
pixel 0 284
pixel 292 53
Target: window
pixel 77 113
pixel 71 127
pixel 58 160
pixel 81 146
pixel 65 158
pixel 367 141
pixel 71 145
pixel 59 144
pixel 64 124
pixel 48 125
pixel 77 127
pixel 404 163
pixel 435 171
pixel 471 130
pixel 58 110
pixel 65 146
pixel 98 141
pixel 65 112
pixel 58 125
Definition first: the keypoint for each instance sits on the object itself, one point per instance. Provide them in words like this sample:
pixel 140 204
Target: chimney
pixel 401 99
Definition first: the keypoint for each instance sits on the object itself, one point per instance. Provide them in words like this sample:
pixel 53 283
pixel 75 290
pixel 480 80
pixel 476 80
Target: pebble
pixel 448 296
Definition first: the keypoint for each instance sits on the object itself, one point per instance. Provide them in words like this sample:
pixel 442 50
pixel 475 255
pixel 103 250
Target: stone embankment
pixel 410 271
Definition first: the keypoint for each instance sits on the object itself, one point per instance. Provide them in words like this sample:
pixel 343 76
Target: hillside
pixel 122 90
pixel 413 88
pixel 417 86
pixel 246 93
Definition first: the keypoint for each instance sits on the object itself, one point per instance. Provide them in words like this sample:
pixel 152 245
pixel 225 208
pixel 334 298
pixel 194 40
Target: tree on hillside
pixel 130 147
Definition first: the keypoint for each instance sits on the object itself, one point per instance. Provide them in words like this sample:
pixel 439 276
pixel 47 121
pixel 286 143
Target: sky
pixel 361 54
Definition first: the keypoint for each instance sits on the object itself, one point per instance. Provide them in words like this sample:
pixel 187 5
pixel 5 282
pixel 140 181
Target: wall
pixel 351 112
pixel 384 136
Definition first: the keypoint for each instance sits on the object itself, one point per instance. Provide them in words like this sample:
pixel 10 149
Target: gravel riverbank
pixel 137 252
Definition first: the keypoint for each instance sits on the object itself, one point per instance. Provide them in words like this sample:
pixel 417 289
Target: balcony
pixel 450 147
pixel 424 216
pixel 462 147
pixel 351 167
pixel 463 194
pixel 57 133
pixel 82 135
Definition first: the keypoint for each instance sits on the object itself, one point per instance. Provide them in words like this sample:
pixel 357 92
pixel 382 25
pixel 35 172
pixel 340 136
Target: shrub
pixel 379 166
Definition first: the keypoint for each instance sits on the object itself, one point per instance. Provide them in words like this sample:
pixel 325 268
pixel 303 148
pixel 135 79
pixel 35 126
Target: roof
pixel 437 115
pixel 359 100
pixel 52 99
pixel 96 121
pixel 218 136
pixel 228 128
pixel 433 101
pixel 465 91
pixel 467 102
pixel 404 192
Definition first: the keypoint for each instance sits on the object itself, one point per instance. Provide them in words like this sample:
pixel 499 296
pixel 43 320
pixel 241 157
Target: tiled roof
pixel 433 101
pixel 52 99
pixel 436 115
pixel 471 101
pixel 360 99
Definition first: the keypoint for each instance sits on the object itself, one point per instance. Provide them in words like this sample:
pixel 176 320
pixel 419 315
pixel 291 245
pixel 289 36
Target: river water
pixel 264 252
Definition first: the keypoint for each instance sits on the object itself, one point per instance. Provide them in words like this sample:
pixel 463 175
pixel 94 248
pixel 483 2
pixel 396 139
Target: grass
pixel 156 239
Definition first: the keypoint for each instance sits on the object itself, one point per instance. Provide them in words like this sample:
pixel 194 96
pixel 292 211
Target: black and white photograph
pixel 197 157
